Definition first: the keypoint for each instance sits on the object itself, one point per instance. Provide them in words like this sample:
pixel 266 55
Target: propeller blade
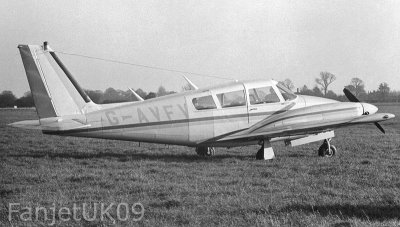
pixel 353 98
pixel 380 127
pixel 350 96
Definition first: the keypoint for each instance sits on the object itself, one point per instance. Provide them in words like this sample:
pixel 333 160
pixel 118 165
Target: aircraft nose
pixel 371 109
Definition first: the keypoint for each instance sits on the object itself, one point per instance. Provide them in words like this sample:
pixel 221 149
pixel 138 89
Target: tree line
pixel 383 93
pixel 110 95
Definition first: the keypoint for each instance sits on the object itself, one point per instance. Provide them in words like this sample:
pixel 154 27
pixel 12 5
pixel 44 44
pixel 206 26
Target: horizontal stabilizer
pixel 28 124
pixel 51 124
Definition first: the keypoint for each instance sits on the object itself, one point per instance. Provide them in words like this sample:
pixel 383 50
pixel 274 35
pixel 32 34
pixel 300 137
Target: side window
pixel 263 95
pixel 230 99
pixel 204 103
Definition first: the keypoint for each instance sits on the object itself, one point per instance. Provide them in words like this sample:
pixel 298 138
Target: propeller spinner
pixel 353 98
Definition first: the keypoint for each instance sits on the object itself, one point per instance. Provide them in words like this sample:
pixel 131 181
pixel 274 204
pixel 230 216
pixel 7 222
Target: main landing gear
pixel 327 149
pixel 265 152
pixel 205 151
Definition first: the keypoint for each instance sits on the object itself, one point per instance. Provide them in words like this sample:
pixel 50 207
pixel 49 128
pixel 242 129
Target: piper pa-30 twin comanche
pixel 235 114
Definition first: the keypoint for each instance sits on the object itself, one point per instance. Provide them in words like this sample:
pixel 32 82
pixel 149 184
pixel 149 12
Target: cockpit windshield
pixel 286 93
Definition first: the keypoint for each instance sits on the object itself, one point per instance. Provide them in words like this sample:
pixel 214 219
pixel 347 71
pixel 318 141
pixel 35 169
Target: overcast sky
pixel 236 39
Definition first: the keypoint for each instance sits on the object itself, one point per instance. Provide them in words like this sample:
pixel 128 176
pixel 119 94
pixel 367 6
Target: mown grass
pixel 358 187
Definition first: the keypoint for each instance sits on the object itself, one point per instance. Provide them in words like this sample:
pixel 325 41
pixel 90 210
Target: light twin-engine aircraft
pixel 235 114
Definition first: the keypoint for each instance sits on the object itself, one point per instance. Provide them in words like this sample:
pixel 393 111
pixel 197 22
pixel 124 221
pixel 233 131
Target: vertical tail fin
pixel 55 92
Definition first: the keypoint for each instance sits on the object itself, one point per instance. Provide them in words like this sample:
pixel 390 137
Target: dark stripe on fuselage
pixel 181 121
pixel 302 115
pixel 147 124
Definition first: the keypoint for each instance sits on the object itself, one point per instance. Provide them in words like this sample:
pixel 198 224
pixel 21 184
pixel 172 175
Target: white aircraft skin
pixel 235 114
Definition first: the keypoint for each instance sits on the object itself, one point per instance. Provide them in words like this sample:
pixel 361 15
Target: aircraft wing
pixel 306 121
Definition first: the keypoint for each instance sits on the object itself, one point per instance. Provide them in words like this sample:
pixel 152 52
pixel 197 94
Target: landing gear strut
pixel 205 151
pixel 265 152
pixel 327 149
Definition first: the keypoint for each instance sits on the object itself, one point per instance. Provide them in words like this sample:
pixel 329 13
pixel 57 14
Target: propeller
pixel 380 127
pixel 350 96
pixel 353 98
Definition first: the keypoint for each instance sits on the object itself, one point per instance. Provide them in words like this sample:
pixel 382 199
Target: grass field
pixel 360 186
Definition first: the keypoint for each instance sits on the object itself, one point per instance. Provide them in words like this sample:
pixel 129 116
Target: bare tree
pixel 326 78
pixel 287 83
pixel 356 86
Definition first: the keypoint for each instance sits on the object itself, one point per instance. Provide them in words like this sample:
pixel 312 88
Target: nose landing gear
pixel 326 149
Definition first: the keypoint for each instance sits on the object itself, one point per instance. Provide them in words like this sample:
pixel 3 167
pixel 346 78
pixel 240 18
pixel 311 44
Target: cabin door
pixel 263 101
pixel 232 114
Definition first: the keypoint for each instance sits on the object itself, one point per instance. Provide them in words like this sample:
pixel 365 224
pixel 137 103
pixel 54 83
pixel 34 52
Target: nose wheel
pixel 327 149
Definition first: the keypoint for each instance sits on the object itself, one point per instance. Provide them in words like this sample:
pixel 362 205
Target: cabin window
pixel 263 95
pixel 230 99
pixel 286 93
pixel 204 103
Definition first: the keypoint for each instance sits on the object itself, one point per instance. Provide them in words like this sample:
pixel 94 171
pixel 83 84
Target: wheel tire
pixel 323 151
pixel 200 151
pixel 331 152
pixel 210 151
pixel 205 151
pixel 260 154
